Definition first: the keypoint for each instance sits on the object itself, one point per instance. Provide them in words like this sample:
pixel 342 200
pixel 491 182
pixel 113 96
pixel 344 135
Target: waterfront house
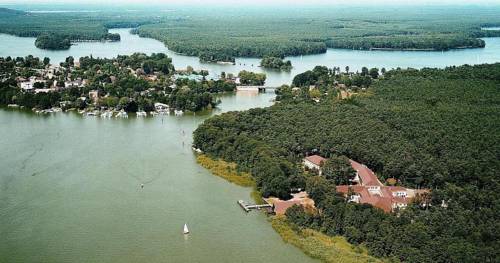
pixel 26 85
pixel 161 106
pixel 280 206
pixel 94 96
pixel 314 163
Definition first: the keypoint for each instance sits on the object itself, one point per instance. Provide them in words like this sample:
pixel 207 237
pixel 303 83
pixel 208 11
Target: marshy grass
pixel 226 170
pixel 320 246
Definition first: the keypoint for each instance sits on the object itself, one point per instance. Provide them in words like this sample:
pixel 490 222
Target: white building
pixel 314 162
pixel 26 85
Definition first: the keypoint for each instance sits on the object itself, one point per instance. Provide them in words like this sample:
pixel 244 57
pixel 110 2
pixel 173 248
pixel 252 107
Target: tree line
pixel 429 128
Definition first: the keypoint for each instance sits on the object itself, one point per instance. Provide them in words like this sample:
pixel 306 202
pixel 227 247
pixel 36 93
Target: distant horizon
pixel 251 3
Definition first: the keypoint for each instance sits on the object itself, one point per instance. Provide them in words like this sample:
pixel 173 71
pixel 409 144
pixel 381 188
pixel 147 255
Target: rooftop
pixel 315 159
pixel 280 206
pixel 366 175
pixel 384 201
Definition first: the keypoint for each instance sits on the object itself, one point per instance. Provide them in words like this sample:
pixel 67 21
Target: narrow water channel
pixel 355 59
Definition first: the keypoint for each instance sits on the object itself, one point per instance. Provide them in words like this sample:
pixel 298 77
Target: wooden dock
pixel 248 207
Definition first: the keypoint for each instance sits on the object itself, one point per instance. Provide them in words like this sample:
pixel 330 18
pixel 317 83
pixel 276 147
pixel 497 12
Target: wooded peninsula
pixel 216 36
pixel 436 129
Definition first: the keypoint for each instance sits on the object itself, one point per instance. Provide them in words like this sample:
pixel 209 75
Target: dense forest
pixel 215 34
pixel 276 63
pixel 431 128
pixel 74 26
pixel 252 78
pixel 260 33
pixel 52 42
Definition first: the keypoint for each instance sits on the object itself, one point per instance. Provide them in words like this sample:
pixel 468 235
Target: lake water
pixel 70 192
pixel 355 59
pixel 70 186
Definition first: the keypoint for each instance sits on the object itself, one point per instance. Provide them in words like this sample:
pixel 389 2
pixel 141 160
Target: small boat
pixel 92 113
pixel 164 112
pixel 186 230
pixel 107 114
pixel 122 114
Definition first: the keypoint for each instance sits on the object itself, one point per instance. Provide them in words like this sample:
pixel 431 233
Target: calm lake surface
pixel 70 186
pixel 70 192
pixel 355 59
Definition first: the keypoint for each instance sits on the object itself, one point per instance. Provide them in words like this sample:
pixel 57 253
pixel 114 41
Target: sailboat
pixel 186 230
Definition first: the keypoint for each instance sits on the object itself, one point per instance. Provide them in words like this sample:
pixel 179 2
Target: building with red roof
pixel 367 188
pixel 364 175
pixel 385 199
pixel 314 163
pixel 280 206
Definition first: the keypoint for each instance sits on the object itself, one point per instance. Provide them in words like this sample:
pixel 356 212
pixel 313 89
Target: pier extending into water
pixel 248 207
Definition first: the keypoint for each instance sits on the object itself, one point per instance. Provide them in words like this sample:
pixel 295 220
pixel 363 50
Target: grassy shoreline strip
pixel 320 246
pixel 226 170
pixel 311 242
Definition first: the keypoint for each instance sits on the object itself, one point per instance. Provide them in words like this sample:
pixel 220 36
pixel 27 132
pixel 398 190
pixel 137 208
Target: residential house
pixel 43 90
pixel 26 85
pixel 73 84
pixel 29 85
pixel 314 163
pixel 280 206
pixel 94 96
pixel 161 106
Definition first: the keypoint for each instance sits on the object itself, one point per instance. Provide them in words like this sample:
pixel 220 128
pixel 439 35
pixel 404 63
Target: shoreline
pixel 311 242
pixel 320 246
pixel 318 53
pixel 225 170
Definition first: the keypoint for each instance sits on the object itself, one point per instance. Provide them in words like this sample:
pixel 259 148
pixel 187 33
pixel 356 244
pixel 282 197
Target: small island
pixel 63 42
pixel 276 63
pixel 213 57
pixel 52 42
pixel 248 78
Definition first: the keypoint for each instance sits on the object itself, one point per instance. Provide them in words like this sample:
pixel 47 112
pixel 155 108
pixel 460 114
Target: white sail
pixel 186 230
